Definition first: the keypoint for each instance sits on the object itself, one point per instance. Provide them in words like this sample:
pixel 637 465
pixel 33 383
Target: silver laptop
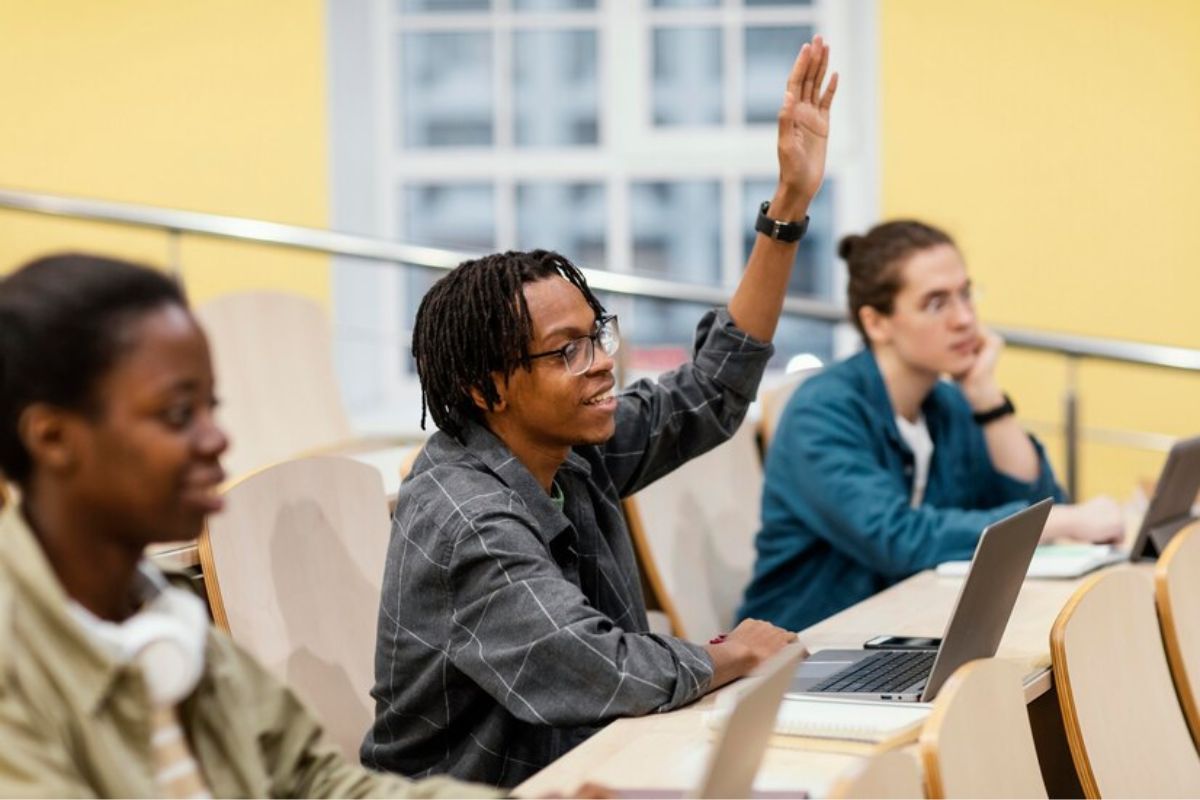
pixel 742 741
pixel 746 715
pixel 974 630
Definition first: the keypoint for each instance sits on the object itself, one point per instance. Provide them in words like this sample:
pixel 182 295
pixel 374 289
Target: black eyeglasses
pixel 578 355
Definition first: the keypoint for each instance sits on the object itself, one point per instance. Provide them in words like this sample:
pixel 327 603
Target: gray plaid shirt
pixel 510 631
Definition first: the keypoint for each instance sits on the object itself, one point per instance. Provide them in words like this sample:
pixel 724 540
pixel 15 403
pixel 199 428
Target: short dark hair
pixel 62 320
pixel 474 322
pixel 874 263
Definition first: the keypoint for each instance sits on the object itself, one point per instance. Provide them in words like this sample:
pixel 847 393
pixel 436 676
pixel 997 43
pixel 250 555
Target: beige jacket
pixel 73 723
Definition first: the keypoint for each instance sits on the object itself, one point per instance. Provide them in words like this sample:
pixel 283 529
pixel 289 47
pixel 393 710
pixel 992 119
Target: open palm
pixel 804 120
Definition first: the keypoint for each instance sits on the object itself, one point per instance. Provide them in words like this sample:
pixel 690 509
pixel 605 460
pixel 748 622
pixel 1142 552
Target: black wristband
pixel 778 229
pixel 993 414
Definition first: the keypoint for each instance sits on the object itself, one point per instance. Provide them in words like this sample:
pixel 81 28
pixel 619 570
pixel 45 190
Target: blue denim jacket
pixel 837 526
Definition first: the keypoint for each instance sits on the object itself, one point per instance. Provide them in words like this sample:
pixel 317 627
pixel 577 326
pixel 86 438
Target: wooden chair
pixel 977 742
pixel 293 569
pixel 273 355
pixel 1177 590
pixel 772 401
pixel 893 773
pixel 694 534
pixel 1125 728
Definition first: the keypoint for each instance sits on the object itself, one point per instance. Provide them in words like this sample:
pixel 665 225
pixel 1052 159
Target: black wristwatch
pixel 993 414
pixel 778 229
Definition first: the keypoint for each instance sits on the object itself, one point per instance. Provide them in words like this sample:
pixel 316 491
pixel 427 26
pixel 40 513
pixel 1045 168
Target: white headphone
pixel 165 638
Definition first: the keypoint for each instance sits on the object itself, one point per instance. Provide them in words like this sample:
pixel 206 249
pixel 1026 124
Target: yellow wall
pixel 207 105
pixel 1060 142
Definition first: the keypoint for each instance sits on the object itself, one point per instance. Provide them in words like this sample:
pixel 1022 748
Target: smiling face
pixel 932 327
pixel 546 408
pixel 145 462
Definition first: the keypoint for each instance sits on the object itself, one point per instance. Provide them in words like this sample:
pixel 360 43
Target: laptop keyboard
pixel 885 671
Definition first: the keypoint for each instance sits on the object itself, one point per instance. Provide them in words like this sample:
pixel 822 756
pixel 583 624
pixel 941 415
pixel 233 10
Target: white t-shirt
pixel 916 436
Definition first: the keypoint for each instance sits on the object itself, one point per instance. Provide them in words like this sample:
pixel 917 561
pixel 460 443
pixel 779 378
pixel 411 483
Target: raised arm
pixel 803 135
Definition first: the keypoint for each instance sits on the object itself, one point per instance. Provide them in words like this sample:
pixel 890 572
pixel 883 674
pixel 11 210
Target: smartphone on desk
pixel 903 643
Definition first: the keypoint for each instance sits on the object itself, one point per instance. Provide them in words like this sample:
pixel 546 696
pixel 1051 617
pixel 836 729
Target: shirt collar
pixel 512 472
pixel 875 393
pixel 82 669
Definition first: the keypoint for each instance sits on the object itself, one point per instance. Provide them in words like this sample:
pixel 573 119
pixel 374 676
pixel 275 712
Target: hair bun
pixel 848 245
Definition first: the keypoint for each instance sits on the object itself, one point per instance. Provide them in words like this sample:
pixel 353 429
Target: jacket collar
pixel 81 669
pixel 486 447
pixel 866 370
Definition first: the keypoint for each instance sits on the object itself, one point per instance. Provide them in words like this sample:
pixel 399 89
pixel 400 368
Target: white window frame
pixel 630 149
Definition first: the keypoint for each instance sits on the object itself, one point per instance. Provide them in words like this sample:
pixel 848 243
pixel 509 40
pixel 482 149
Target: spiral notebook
pixel 856 721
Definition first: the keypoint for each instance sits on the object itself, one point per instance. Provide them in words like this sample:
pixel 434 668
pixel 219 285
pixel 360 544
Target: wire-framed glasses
pixel 579 354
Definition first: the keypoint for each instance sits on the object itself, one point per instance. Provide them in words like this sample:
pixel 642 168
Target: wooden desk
pixel 668 750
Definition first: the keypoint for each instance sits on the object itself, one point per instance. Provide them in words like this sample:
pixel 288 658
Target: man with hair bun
pixel 879 467
pixel 512 623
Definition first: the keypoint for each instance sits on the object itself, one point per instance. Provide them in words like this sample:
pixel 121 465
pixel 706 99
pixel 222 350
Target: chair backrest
pixel 1177 590
pixel 774 399
pixel 977 742
pixel 893 773
pixel 273 355
pixel 293 569
pixel 410 460
pixel 1125 728
pixel 694 533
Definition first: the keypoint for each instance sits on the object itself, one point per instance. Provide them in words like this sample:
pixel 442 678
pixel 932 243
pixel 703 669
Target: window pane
pixel 444 5
pixel 660 335
pixel 770 53
pixel 555 90
pixel 796 336
pixel 812 274
pixel 684 3
pixel 677 230
pixel 552 5
pixel 687 76
pixel 456 216
pixel 566 217
pixel 446 89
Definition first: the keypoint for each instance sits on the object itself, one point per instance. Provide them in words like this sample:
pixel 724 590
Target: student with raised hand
pixel 880 468
pixel 112 681
pixel 512 623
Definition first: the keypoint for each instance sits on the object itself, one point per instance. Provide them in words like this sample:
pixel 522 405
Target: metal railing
pixel 175 223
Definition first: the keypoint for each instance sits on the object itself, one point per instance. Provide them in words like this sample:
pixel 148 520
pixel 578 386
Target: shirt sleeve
pixel 688 411
pixel 531 640
pixel 864 512
pixel 996 487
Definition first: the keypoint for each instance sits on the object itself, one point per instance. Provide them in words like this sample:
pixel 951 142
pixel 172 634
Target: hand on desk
pixel 740 651
pixel 1100 520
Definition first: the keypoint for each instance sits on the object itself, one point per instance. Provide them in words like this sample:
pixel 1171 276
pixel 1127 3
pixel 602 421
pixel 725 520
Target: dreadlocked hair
pixel 473 323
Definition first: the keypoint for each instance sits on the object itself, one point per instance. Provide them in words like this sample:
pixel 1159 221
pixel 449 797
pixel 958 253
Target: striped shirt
pixel 509 630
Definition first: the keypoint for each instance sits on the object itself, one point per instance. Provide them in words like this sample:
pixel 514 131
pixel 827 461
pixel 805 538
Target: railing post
pixel 174 256
pixel 1071 426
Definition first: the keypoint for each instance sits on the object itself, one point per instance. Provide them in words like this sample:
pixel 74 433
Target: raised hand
pixel 804 127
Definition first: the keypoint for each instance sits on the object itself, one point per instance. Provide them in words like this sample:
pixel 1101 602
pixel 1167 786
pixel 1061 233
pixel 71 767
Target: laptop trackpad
pixel 821 664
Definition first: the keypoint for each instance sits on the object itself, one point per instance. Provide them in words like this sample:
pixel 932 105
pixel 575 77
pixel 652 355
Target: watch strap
pixel 780 230
pixel 993 414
